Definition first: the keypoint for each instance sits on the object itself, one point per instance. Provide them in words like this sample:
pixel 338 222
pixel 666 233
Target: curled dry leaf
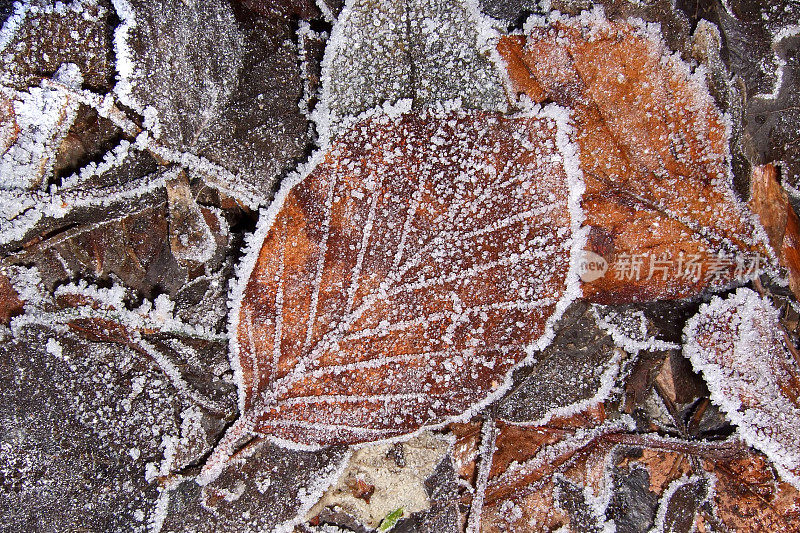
pixel 396 284
pixel 769 201
pixel 654 153
pixel 738 346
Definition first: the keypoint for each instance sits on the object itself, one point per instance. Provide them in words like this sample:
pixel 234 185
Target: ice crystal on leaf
pixel 737 345
pixel 33 123
pixel 654 153
pixel 395 284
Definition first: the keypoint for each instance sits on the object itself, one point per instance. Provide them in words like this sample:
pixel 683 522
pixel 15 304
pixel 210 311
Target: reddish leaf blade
pixel 400 281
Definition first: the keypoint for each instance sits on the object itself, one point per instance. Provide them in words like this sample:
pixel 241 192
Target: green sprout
pixel 388 523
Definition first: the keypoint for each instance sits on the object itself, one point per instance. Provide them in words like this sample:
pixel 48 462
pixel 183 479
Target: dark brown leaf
pixel 10 303
pixel 42 37
pixel 544 390
pixel 219 87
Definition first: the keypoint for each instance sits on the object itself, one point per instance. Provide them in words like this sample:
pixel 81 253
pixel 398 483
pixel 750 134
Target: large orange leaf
pixel 397 283
pixel 654 153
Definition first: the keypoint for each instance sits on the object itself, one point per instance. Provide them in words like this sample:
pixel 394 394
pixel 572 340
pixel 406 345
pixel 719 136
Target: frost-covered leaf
pixel 771 119
pixel 42 35
pixel 87 141
pixel 33 124
pixel 184 353
pixel 667 16
pixel 654 153
pixel 591 475
pixel 148 232
pixel 394 285
pixel 523 492
pixel 680 505
pixel 215 86
pixel 425 50
pixel 544 390
pixel 584 513
pixel 738 347
pixel 77 420
pixel 85 422
pixel 268 489
pixel 195 233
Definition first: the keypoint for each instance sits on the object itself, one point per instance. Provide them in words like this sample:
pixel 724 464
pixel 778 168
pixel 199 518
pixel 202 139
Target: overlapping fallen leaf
pixel 653 148
pixel 428 51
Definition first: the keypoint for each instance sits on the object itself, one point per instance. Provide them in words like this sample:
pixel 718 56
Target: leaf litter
pixel 168 129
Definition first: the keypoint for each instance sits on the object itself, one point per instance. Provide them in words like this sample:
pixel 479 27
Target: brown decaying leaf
pixel 741 349
pixel 769 201
pixel 396 285
pixel 534 468
pixel 654 154
pixel 520 495
pixel 749 497
pixel 10 302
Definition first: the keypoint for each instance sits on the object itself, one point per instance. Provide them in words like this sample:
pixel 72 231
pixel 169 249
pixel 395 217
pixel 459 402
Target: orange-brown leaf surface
pixel 769 201
pixel 654 153
pixel 749 497
pixel 752 372
pixel 397 284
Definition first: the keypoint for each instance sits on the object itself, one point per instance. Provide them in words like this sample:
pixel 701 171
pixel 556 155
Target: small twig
pixel 488 439
pixel 711 450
